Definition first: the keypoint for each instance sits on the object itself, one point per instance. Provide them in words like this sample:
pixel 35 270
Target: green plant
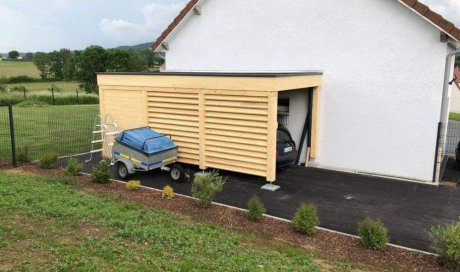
pixel 133 185
pixel 446 243
pixel 31 103
pixel 19 89
pixel 373 233
pixel 306 219
pixel 168 192
pixel 23 154
pixel 3 88
pixel 256 208
pixel 74 167
pixel 102 173
pixel 20 79
pixel 205 187
pixel 55 88
pixel 47 161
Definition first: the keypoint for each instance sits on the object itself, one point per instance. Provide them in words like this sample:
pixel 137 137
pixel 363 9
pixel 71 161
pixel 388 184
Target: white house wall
pixel 383 71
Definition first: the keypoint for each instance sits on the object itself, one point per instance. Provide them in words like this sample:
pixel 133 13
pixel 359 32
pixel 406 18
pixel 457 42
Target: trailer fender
pixel 129 164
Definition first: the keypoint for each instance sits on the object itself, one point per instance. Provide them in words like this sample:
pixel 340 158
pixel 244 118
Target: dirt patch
pixel 324 244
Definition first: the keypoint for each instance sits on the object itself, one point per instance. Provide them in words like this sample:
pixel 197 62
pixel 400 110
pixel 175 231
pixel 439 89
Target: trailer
pixel 142 149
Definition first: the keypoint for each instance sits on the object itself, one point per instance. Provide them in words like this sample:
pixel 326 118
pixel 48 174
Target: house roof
pixel 421 9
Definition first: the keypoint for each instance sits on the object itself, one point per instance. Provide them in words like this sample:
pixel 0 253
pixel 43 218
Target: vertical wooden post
pixel 202 134
pixel 78 98
pixel 315 122
pixel 271 136
pixel 52 93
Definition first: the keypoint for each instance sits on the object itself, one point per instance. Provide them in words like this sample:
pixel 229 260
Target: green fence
pixel 61 130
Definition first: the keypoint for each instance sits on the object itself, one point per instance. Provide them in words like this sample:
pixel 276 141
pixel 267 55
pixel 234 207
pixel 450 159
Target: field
pixel 43 87
pixel 47 224
pixel 18 68
pixel 64 130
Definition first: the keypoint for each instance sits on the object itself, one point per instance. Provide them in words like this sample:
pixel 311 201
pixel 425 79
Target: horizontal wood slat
pixel 261 173
pixel 238 104
pixel 223 161
pixel 236 151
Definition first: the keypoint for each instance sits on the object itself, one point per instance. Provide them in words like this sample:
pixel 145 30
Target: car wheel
pixel 177 173
pixel 122 171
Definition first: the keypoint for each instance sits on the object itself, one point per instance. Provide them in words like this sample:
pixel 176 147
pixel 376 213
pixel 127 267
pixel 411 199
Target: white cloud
pixel 157 16
pixel 450 9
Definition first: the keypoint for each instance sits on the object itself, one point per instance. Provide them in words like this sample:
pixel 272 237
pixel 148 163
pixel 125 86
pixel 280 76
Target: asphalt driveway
pixel 408 209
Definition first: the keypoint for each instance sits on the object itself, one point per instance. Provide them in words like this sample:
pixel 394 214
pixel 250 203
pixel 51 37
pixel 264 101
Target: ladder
pixel 101 135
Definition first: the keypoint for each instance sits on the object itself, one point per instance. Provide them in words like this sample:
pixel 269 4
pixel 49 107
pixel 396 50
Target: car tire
pixel 177 173
pixel 122 171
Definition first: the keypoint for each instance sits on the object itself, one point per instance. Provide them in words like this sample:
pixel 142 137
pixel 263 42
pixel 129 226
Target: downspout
pixel 442 117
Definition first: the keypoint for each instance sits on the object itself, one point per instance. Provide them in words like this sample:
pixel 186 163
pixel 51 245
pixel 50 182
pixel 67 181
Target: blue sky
pixel 44 25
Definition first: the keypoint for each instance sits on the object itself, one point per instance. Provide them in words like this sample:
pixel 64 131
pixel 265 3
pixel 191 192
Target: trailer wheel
pixel 122 171
pixel 177 173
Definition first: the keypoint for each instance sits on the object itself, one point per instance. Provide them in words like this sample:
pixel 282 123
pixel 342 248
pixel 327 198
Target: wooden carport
pixel 224 121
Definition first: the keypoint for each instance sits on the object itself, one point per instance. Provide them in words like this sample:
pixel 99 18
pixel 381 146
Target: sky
pixel 46 25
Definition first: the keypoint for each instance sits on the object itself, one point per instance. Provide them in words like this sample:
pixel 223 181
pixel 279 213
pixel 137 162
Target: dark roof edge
pixel 219 74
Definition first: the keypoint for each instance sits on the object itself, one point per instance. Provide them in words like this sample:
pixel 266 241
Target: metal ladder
pixel 101 133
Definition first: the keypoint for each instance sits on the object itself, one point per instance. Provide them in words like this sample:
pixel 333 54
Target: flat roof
pixel 220 74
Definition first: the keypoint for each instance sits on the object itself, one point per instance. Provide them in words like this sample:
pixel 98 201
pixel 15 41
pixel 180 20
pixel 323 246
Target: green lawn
pixel 454 116
pixel 47 224
pixel 18 68
pixel 43 87
pixel 65 130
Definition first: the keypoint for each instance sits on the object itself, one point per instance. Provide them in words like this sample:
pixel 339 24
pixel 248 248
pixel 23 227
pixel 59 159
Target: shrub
pixel 47 161
pixel 373 233
pixel 55 88
pixel 205 187
pixel 306 219
pixel 3 88
pixel 74 167
pixel 19 89
pixel 446 243
pixel 256 208
pixel 31 103
pixel 23 154
pixel 20 79
pixel 133 185
pixel 168 192
pixel 102 173
pixel 3 80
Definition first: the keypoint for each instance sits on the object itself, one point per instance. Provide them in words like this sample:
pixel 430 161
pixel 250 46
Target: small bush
pixel 48 161
pixel 168 192
pixel 374 235
pixel 205 187
pixel 306 219
pixel 102 173
pixel 446 243
pixel 3 80
pixel 133 185
pixel 20 79
pixel 32 103
pixel 19 89
pixel 74 167
pixel 54 88
pixel 256 208
pixel 3 88
pixel 23 154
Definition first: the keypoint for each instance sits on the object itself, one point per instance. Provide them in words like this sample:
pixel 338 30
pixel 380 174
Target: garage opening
pixel 225 121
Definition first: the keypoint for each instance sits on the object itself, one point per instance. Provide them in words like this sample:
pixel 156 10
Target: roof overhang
pixel 268 82
pixel 161 43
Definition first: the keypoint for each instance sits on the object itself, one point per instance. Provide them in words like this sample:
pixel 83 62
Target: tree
pixel 29 56
pixel 13 55
pixel 57 60
pixel 91 61
pixel 69 70
pixel 41 60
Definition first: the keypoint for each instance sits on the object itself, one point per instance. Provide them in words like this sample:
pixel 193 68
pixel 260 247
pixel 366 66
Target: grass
pixel 43 87
pixel 47 224
pixel 18 68
pixel 64 130
pixel 454 116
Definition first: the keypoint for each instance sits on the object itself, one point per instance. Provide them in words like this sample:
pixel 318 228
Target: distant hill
pixel 139 46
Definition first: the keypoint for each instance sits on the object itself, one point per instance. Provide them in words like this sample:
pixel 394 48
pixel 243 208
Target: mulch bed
pixel 324 244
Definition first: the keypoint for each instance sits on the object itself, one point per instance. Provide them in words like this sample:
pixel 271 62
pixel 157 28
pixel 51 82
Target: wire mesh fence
pixel 59 130
pixel 452 137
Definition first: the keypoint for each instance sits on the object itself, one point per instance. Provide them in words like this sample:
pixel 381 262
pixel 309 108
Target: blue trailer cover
pixel 145 140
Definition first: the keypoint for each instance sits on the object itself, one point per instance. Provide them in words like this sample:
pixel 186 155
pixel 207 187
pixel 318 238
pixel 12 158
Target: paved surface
pixel 343 200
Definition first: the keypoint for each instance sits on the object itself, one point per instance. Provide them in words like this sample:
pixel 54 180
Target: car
pixel 286 152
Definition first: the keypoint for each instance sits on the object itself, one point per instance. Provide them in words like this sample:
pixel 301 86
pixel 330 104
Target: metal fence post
pixel 52 93
pixel 13 140
pixel 78 99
